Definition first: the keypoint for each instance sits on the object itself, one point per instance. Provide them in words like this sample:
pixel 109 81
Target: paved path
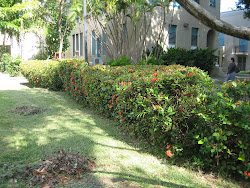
pixel 12 83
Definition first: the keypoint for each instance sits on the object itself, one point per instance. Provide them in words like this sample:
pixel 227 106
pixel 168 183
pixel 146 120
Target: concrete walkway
pixel 12 83
pixel 238 77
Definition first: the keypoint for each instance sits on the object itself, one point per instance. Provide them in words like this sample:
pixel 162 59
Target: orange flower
pixel 168 147
pixel 169 153
pixel 129 83
pixel 111 106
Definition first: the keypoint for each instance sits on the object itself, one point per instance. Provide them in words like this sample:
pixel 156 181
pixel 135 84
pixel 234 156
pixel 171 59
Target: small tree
pixel 126 25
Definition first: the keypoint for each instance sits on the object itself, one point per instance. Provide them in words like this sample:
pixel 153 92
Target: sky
pixel 227 5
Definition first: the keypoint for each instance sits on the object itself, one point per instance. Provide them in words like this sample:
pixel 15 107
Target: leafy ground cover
pixel 121 160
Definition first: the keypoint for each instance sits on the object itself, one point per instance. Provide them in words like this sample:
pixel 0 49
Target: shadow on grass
pixel 66 125
pixel 27 139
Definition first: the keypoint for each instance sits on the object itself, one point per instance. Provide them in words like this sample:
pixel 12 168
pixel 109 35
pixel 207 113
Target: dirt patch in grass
pixel 27 110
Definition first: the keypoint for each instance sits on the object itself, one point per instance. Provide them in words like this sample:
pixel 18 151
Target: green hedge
pixel 44 73
pixel 175 108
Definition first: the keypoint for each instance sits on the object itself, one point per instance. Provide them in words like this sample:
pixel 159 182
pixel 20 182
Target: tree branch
pixel 212 22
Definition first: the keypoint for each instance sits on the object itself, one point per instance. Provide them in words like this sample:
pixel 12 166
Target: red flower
pixel 129 83
pixel 76 88
pixel 111 106
pixel 153 79
pixel 189 74
pixel 110 100
pixel 41 77
pixel 72 78
pixel 80 102
pixel 247 174
pixel 134 77
pixel 116 100
pixel 123 119
pixel 115 72
pixel 83 88
pixel 37 81
pixel 169 153
pixel 114 96
pixel 65 85
pixel 72 83
pixel 63 71
pixel 81 72
pixel 155 74
pixel 120 113
pixel 131 70
pixel 143 75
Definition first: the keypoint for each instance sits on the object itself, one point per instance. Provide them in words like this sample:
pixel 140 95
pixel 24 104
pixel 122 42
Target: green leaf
pixel 200 142
pixel 241 157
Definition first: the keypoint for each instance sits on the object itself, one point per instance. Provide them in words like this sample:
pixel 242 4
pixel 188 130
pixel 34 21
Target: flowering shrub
pixel 43 73
pixel 175 108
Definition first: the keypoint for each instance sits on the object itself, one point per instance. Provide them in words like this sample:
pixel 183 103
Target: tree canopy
pixel 244 5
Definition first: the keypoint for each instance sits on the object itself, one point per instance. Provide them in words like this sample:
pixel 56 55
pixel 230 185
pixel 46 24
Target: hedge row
pixel 175 108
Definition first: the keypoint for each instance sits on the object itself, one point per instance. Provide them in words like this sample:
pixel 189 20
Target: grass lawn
pixel 64 124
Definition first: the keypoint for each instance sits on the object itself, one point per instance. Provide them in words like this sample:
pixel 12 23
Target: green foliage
pixel 52 37
pixel 201 58
pixel 120 61
pixel 10 65
pixel 44 73
pixel 172 106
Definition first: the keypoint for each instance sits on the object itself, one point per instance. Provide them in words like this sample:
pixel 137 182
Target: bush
pixel 201 58
pixel 120 61
pixel 44 74
pixel 177 109
pixel 10 65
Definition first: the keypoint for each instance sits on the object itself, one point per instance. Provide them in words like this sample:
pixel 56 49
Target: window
pixel 81 44
pixel 104 38
pixel 212 3
pixel 221 39
pixel 176 5
pixel 242 63
pixel 124 32
pixel 194 38
pixel 98 48
pixel 172 35
pixel 243 45
pixel 93 44
pixel 77 44
pixel 74 45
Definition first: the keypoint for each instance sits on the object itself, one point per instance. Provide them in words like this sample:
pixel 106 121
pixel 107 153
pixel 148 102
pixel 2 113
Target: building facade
pixel 232 46
pixel 180 30
pixel 26 47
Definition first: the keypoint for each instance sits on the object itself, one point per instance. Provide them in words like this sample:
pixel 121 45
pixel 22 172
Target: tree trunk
pixel 60 28
pixel 212 22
